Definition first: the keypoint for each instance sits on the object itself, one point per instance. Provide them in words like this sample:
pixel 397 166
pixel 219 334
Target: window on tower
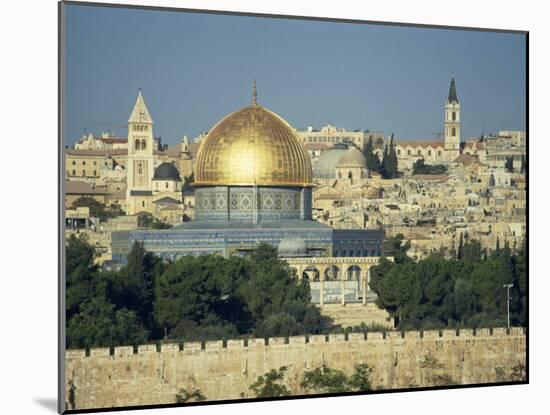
pixel 143 144
pixel 136 145
pixel 454 116
pixel 453 132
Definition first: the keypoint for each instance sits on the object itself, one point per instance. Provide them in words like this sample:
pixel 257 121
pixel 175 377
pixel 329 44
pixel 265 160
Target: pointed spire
pixel 254 94
pixel 452 90
pixel 140 113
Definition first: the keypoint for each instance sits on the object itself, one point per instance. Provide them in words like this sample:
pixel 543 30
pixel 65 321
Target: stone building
pixel 253 183
pixel 329 134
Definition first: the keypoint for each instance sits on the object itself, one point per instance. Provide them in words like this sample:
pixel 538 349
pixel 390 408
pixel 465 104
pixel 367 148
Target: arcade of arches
pixel 336 279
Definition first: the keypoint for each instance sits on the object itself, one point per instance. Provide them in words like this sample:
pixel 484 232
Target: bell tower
pixel 452 124
pixel 139 166
pixel 186 160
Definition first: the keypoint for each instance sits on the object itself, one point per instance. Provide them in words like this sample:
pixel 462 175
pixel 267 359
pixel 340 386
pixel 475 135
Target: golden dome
pixel 252 146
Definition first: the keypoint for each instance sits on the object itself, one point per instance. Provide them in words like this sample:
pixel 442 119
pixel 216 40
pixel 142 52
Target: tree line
pixel 467 290
pixel 194 298
pixel 213 297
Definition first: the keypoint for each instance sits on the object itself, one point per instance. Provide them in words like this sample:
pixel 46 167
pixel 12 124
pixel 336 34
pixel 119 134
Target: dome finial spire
pixel 254 94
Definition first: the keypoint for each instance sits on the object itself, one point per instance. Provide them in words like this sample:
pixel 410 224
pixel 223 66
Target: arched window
pixel 166 185
pixel 95 172
pixel 453 132
pixel 429 152
pixel 140 168
pixel 143 203
pixel 419 152
pixel 136 145
pixel 74 162
pixel 439 153
pixel 84 172
pixel 143 144
pixel 408 152
pixel 74 172
pixel 398 152
pixel 454 116
pixel 350 175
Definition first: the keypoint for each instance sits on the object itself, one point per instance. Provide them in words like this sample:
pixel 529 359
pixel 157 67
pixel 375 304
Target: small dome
pixel 327 163
pixel 167 171
pixel 292 247
pixel 353 158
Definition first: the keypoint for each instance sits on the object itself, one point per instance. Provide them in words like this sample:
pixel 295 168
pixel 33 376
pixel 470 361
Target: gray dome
pixel 292 247
pixel 167 171
pixel 353 158
pixel 327 163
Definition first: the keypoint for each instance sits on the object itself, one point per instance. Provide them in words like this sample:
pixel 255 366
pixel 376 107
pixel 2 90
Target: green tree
pixel 360 379
pixel 328 380
pixel 269 385
pixel 133 287
pixel 159 224
pixel 420 167
pixel 100 324
pixel 325 380
pixel 279 302
pixel 201 292
pixel 437 292
pixel 183 396
pixel 81 273
pixel 389 163
pixel 373 162
pixel 98 209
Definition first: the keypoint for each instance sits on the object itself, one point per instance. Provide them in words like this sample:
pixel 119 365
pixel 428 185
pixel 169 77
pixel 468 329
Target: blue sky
pixel 196 68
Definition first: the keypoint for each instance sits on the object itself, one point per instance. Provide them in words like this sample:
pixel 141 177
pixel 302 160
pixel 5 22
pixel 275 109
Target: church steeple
pixel 452 91
pixel 452 123
pixel 140 113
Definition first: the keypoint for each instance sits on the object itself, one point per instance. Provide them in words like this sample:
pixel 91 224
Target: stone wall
pixel 153 374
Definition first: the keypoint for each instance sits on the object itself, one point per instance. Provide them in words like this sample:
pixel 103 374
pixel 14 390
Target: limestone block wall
pixel 153 374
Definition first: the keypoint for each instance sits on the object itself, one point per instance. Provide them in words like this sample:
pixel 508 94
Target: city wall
pixel 153 374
